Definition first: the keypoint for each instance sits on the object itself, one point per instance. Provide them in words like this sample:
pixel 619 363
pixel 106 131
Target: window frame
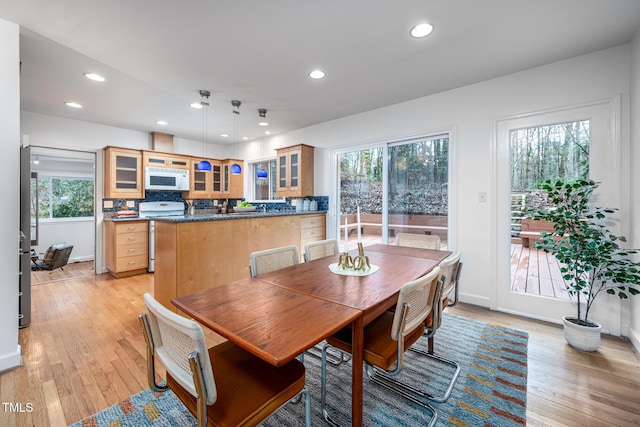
pixel 253 174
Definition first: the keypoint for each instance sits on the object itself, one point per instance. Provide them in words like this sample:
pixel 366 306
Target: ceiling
pixel 157 55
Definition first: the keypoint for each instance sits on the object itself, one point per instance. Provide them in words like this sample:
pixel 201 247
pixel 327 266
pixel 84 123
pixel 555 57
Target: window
pixel 60 197
pixel 264 189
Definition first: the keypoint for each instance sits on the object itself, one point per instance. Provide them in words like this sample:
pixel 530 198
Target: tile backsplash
pixel 206 204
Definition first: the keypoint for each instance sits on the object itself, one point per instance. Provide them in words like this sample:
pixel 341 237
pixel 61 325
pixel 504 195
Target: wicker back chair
pixel 321 249
pixel 387 338
pixel 262 262
pixel 424 241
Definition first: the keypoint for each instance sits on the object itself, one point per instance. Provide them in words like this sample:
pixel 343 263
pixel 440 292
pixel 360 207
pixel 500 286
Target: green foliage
pixel 64 197
pixel 593 261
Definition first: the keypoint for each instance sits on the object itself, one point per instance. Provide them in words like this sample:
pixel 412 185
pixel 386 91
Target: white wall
pixel 77 232
pixel 470 113
pixel 634 328
pixel 9 173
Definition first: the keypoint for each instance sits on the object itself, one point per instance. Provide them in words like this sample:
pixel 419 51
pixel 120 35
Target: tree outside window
pixel 64 197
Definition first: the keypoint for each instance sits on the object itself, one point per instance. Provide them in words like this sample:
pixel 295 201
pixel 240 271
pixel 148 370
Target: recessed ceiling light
pixel 316 74
pixel 161 122
pixel 224 135
pixel 245 137
pixel 266 132
pixel 95 77
pixel 73 104
pixel 263 124
pixel 421 30
pixel 196 105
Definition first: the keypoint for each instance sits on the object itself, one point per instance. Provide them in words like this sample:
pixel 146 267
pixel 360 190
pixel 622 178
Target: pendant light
pixel 204 165
pixel 262 173
pixel 236 169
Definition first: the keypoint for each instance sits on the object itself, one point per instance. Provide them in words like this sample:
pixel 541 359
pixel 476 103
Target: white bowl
pixel 244 208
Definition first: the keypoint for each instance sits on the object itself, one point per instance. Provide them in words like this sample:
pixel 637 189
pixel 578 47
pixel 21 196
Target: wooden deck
pixel 536 272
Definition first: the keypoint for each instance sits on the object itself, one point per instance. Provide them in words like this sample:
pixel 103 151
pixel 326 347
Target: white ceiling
pixel 157 55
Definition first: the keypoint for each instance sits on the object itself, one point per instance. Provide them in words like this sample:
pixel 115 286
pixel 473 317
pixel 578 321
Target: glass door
pixel 562 144
pixel 417 191
pixel 400 187
pixel 361 185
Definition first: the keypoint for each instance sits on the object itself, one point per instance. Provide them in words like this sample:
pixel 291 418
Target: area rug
pixel 490 391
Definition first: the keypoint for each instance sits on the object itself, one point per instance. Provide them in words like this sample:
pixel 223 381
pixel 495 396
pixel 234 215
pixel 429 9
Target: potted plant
pixel 589 255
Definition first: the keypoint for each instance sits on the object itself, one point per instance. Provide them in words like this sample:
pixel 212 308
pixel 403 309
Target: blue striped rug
pixel 490 391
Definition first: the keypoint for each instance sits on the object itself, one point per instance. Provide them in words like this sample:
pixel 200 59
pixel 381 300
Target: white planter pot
pixel 585 338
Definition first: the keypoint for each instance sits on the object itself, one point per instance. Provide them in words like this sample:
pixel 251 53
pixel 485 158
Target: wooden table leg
pixel 357 337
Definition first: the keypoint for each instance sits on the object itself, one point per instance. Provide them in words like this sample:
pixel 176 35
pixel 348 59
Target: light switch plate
pixel 294 202
pixel 215 203
pixel 482 197
pixel 108 204
pixel 131 203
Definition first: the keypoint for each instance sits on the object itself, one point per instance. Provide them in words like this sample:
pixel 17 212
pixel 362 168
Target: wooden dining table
pixel 278 315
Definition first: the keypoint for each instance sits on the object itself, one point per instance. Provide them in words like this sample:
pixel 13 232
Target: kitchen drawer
pixel 312 221
pixel 312 233
pixel 132 227
pixel 129 238
pixel 132 262
pixel 132 250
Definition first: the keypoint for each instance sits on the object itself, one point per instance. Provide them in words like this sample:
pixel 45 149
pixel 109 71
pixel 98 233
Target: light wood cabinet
pixel 312 229
pixel 295 171
pixel 165 160
pixel 123 178
pixel 232 184
pixel 126 247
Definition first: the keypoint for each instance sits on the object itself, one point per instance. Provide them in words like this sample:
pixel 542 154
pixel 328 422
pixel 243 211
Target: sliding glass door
pixel 399 187
pixel 417 190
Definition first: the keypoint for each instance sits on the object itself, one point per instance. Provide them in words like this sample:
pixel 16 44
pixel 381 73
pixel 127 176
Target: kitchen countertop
pixel 217 217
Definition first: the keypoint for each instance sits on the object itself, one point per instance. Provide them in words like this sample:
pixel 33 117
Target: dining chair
pixel 387 338
pixel 224 385
pixel 321 249
pixel 262 262
pixel 424 241
pixel 450 269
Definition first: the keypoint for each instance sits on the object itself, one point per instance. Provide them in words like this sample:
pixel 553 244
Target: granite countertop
pixel 234 215
pixel 216 217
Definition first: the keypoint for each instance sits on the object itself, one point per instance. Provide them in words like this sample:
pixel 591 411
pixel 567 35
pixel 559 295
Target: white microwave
pixel 166 179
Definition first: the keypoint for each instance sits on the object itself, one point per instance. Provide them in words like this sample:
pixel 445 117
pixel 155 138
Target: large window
pixel 59 197
pixel 399 187
pixel 264 188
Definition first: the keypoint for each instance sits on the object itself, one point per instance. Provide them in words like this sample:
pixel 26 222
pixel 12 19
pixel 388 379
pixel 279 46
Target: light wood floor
pixel 84 352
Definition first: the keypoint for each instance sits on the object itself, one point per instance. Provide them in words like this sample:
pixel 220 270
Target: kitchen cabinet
pixel 165 160
pixel 312 229
pixel 126 247
pixel 200 182
pixel 294 171
pixel 232 185
pixel 123 177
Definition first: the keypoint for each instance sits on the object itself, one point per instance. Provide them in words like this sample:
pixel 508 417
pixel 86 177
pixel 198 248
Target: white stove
pixel 154 210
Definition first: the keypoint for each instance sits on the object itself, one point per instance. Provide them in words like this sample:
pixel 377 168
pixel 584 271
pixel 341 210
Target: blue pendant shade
pixel 204 165
pixel 236 169
pixel 262 174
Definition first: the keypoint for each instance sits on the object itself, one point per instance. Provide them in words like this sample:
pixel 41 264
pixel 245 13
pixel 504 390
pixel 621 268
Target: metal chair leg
pixel 323 388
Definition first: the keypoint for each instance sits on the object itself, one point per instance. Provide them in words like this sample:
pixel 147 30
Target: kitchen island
pixel 197 252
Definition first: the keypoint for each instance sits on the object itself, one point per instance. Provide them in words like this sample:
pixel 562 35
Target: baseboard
pixel 81 259
pixel 474 300
pixel 634 337
pixel 10 360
